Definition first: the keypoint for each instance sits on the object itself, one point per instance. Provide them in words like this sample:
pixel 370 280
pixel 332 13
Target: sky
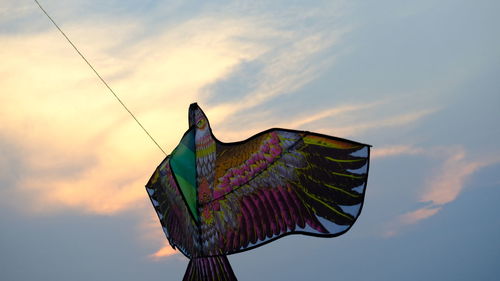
pixel 418 80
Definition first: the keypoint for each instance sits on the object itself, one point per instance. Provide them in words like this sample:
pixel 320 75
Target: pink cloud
pixel 444 185
pixel 153 236
pixel 165 252
pixel 449 180
pixel 400 120
pixel 395 151
pixel 418 215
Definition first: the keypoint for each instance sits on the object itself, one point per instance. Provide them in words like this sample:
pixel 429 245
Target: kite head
pixel 197 117
pixel 203 135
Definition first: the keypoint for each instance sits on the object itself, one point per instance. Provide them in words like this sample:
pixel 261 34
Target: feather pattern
pixel 179 227
pixel 219 198
pixel 283 182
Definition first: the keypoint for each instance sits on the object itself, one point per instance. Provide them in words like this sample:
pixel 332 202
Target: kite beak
pixel 192 114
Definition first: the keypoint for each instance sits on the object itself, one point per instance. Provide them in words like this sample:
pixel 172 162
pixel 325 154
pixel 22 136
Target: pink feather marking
pixel 249 205
pixel 282 206
pixel 246 226
pixel 272 211
pixel 299 207
pixel 239 236
pixel 279 218
pixel 228 241
pixel 292 213
pixel 264 222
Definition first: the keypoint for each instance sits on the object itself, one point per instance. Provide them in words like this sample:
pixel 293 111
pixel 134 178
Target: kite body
pixel 214 199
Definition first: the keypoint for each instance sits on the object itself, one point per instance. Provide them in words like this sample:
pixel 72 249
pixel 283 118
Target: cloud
pixel 153 236
pixel 328 113
pixel 396 150
pixel 445 184
pixel 396 120
pixel 53 107
pixel 346 120
pixel 304 120
pixel 418 215
pixel 165 252
pixel 296 57
pixel 12 10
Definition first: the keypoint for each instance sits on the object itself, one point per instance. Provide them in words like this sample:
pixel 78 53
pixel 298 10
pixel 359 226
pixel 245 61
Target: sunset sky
pixel 418 80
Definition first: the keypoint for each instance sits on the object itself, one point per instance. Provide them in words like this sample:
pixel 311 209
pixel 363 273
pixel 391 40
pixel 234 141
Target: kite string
pixel 98 75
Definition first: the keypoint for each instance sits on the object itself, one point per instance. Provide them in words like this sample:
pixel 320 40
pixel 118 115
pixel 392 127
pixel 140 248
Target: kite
pixel 214 199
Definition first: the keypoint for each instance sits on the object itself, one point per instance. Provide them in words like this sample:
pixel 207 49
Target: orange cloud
pixel 331 112
pixel 82 150
pixel 165 252
pixel 444 186
pixel 153 236
pixel 418 215
pixel 397 120
pixel 394 151
pixel 449 180
pixel 343 121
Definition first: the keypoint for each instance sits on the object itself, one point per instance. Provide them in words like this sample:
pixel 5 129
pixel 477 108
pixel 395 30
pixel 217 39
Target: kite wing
pixel 215 199
pixel 177 221
pixel 282 182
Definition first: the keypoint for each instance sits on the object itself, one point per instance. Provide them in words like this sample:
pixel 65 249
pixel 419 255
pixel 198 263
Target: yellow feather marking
pixel 328 205
pixel 202 152
pixel 344 161
pixel 155 177
pixel 348 176
pixel 341 190
pixel 332 187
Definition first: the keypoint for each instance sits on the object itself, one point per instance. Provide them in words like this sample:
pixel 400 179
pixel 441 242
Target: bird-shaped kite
pixel 214 199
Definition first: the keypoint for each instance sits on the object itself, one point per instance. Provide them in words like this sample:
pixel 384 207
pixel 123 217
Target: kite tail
pixel 208 269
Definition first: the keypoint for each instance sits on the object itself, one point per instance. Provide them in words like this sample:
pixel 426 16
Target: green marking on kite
pixel 183 163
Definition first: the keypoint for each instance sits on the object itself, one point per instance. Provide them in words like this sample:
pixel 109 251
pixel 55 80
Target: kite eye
pixel 201 124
